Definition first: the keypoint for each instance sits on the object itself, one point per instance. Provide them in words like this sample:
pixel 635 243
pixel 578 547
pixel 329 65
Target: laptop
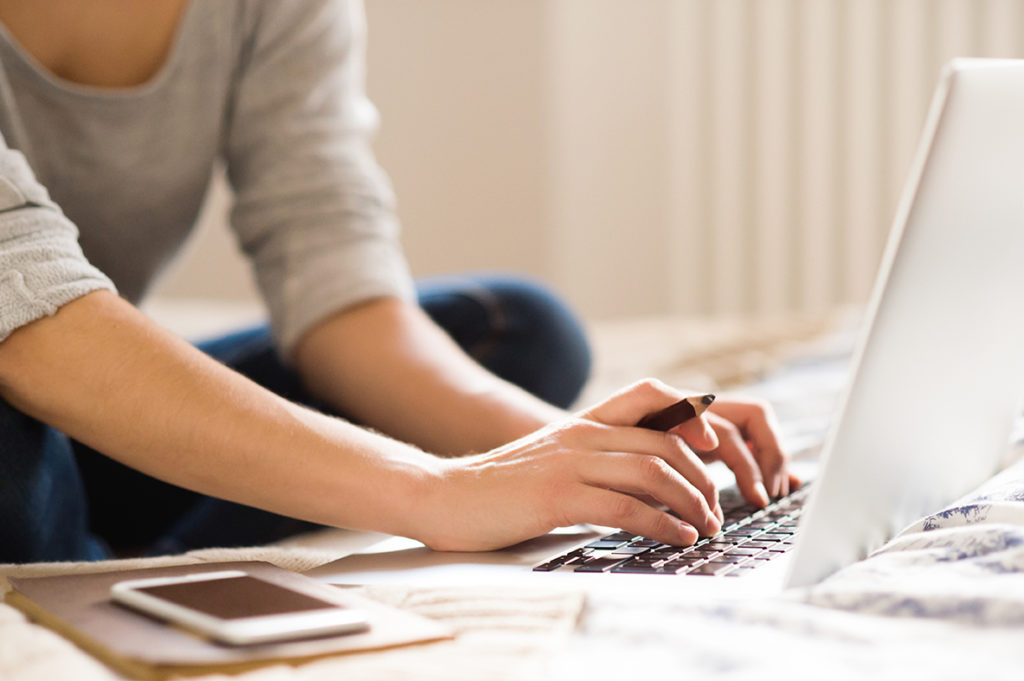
pixel 930 400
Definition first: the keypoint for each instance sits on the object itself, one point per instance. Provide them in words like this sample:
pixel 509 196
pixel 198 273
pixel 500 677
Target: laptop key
pixel 560 561
pixel 620 537
pixel 742 532
pixel 706 553
pixel 782 534
pixel 630 550
pixel 631 569
pixel 675 569
pixel 709 569
pixel 668 547
pixel 646 543
pixel 662 554
pixel 743 551
pixel 599 564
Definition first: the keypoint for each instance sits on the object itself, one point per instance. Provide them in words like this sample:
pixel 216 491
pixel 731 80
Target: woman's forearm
pixel 389 366
pixel 103 373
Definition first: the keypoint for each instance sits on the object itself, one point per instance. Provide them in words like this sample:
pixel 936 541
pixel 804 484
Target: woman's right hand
pixel 594 467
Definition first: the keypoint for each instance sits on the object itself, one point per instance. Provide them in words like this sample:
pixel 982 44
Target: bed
pixel 944 599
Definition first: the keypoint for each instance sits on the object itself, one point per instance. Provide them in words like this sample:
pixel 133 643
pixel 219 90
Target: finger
pixel 783 488
pixel 614 509
pixel 756 422
pixel 668 446
pixel 735 454
pixel 651 501
pixel 650 475
pixel 790 482
pixel 629 405
pixel 698 433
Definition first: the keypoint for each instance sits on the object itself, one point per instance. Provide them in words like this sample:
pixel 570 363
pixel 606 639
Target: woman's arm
pixel 106 375
pixel 103 373
pixel 389 366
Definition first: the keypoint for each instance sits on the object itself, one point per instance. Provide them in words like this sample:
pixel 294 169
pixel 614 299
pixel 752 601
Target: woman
pixel 113 115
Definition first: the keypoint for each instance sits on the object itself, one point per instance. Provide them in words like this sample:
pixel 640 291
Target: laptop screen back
pixel 940 370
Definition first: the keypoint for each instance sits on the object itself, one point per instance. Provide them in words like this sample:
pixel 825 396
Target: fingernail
pixel 687 534
pixel 714 525
pixel 762 493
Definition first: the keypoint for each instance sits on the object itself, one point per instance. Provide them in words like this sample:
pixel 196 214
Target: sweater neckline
pixel 55 83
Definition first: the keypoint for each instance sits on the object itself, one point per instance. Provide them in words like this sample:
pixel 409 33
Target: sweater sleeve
pixel 42 266
pixel 312 209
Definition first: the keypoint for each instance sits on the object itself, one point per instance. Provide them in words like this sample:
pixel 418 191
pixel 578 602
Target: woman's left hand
pixel 748 444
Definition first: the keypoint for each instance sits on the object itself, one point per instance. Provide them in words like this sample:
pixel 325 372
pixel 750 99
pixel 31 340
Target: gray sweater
pixel 99 188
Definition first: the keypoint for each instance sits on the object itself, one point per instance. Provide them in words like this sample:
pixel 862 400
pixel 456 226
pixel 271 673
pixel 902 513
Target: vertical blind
pixel 793 124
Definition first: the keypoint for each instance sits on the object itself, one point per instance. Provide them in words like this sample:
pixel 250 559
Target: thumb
pixel 631 404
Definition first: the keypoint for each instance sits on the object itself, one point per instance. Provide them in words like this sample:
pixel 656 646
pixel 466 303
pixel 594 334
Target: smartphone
pixel 236 608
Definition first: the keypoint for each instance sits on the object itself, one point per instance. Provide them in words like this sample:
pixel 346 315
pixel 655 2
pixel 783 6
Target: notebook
pixel 936 378
pixel 78 606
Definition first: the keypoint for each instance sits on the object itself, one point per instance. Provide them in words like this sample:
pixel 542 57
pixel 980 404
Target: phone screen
pixel 237 597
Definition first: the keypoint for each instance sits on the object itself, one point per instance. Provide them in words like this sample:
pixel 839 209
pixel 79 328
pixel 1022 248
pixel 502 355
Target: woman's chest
pixel 100 43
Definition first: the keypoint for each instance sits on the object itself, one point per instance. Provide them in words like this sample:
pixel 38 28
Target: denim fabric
pixel 59 500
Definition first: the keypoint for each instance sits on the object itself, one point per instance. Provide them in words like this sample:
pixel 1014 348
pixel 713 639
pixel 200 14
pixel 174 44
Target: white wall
pixel 657 155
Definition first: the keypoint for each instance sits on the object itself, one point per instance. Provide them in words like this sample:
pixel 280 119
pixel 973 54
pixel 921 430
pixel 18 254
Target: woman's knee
pixel 517 328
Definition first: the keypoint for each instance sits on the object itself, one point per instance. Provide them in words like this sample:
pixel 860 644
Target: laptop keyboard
pixel 750 537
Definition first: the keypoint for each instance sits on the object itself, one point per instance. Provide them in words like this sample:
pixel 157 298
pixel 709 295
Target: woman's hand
pixel 594 467
pixel 748 444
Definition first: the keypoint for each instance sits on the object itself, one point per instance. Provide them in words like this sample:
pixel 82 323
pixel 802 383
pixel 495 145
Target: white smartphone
pixel 236 608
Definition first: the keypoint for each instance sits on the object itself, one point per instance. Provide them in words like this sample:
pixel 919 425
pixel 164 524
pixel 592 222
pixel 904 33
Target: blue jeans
pixel 60 500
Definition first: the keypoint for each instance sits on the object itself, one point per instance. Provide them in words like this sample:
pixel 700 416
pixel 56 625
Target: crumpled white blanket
pixel 942 600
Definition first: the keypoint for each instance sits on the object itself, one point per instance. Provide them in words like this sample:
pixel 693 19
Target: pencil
pixel 678 413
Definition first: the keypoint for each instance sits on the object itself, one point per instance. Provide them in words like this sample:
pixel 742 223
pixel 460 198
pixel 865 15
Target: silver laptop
pixel 934 390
